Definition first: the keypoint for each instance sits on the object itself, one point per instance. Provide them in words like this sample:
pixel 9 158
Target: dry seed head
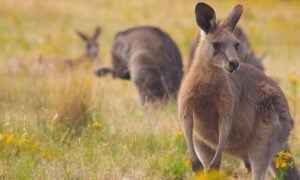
pixel 25 120
pixel 8 127
pixel 54 119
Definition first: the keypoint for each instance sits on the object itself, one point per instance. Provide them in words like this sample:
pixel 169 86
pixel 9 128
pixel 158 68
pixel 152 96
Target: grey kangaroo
pixel 91 45
pixel 229 106
pixel 245 52
pixel 151 59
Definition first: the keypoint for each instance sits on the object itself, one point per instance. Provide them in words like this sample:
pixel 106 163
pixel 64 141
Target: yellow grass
pixel 95 127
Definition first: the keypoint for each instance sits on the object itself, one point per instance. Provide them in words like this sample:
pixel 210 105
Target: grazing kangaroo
pixel 151 59
pixel 229 106
pixel 245 53
pixel 42 64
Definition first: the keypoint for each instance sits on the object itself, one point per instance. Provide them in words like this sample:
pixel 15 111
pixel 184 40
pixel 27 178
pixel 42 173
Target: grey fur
pixel 151 59
pixel 91 44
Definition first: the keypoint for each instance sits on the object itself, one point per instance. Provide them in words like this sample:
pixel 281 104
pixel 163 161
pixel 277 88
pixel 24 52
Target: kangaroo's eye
pixel 236 46
pixel 216 45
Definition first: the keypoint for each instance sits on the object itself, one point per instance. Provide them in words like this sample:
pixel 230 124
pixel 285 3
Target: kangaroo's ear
pixel 97 32
pixel 82 35
pixel 233 18
pixel 205 17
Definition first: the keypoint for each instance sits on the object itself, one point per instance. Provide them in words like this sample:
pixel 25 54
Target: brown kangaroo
pixel 151 59
pixel 42 64
pixel 245 52
pixel 229 106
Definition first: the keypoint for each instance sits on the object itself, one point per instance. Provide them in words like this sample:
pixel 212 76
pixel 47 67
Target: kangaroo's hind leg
pixel 205 153
pixel 149 84
pixel 264 144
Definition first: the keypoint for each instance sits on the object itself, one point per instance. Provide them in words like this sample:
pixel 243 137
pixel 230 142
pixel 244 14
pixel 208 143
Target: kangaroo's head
pixel 218 45
pixel 91 43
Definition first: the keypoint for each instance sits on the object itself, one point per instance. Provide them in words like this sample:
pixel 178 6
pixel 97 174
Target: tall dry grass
pixel 94 128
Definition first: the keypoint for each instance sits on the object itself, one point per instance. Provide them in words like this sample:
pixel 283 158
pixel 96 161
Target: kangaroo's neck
pixel 85 57
pixel 204 72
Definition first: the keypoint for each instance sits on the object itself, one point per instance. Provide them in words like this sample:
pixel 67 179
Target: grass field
pixel 73 125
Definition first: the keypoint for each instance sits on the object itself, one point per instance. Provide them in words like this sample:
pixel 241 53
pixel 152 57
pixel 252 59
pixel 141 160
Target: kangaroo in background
pixel 151 59
pixel 229 106
pixel 245 52
pixel 42 64
pixel 91 45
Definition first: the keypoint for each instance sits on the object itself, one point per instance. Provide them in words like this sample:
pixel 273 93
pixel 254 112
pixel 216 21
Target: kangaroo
pixel 225 105
pixel 91 45
pixel 41 63
pixel 245 52
pixel 150 58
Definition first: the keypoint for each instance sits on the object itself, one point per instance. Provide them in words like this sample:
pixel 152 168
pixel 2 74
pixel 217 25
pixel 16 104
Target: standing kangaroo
pixel 151 59
pixel 229 106
pixel 91 45
pixel 245 52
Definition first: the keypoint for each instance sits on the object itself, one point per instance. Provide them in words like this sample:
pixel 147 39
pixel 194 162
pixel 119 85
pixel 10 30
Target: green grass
pixel 132 142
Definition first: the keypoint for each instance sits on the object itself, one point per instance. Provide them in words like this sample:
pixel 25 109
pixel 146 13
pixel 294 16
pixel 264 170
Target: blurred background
pixel 37 27
pixel 116 138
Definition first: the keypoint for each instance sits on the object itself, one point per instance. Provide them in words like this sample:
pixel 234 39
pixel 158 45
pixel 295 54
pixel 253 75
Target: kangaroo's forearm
pixel 187 127
pixel 125 76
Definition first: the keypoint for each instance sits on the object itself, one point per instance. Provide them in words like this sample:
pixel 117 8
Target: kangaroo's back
pixel 150 58
pixel 148 38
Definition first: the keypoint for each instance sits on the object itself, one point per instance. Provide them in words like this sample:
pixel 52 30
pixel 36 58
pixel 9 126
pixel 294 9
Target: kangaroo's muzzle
pixel 232 65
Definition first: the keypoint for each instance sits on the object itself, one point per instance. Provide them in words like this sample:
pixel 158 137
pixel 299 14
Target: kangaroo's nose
pixel 232 65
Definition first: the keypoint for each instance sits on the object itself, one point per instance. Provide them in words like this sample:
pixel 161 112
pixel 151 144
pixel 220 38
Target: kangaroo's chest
pixel 206 117
pixel 205 100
